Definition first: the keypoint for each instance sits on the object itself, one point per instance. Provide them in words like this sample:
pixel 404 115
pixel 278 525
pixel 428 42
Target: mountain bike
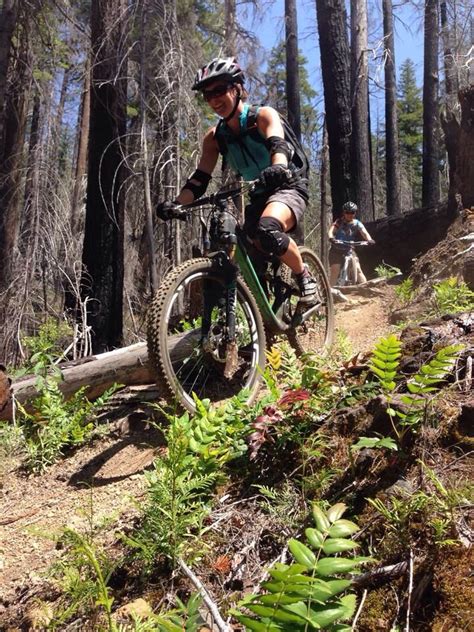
pixel 350 268
pixel 207 323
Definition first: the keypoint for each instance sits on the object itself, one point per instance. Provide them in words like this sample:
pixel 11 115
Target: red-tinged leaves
pixel 293 396
pixel 265 429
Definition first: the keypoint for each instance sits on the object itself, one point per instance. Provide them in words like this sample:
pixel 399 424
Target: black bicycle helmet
pixel 219 68
pixel 351 207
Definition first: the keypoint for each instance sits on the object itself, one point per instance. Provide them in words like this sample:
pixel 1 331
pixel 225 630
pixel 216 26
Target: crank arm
pixel 300 317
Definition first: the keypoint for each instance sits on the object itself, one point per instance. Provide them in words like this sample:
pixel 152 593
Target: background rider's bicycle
pixel 207 323
pixel 350 269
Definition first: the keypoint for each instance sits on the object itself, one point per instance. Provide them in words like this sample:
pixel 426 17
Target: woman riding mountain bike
pixel 346 229
pixel 255 145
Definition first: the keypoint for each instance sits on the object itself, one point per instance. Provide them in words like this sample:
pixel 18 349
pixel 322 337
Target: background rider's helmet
pixel 226 69
pixel 350 207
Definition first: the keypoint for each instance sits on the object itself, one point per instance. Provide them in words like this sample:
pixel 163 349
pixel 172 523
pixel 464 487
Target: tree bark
pixel 430 182
pixel 465 165
pixel 126 366
pixel 293 100
pixel 230 31
pixel 292 68
pixel 8 20
pixel 324 196
pixel 392 154
pixel 334 50
pixel 11 161
pixel 360 110
pixel 103 256
pixel 82 147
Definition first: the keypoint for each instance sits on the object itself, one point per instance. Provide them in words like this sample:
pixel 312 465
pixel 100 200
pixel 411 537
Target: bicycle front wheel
pixel 316 333
pixel 187 342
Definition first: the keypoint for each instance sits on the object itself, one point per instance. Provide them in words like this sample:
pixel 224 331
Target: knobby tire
pixel 178 306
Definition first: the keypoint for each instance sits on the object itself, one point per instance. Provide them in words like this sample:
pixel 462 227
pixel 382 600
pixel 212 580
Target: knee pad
pixel 273 240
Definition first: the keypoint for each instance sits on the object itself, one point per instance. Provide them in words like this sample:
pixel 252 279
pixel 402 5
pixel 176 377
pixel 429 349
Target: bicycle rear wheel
pixel 316 333
pixel 186 337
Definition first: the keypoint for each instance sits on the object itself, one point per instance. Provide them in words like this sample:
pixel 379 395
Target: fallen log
pixel 127 366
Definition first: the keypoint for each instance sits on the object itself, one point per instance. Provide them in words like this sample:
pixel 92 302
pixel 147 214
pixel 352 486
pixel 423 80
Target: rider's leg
pixel 334 273
pixel 335 264
pixel 284 246
pixel 361 278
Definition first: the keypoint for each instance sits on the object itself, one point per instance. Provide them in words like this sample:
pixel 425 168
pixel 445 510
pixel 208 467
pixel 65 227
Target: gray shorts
pixel 291 197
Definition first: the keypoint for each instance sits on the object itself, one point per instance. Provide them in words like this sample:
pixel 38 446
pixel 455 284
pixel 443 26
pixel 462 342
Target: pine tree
pixel 410 120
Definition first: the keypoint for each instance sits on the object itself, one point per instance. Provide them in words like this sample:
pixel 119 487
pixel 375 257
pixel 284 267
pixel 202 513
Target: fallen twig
pixel 359 610
pixel 211 606
pixel 410 590
pixel 381 575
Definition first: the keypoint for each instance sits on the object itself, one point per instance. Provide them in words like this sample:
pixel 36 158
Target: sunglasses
pixel 349 212
pixel 218 91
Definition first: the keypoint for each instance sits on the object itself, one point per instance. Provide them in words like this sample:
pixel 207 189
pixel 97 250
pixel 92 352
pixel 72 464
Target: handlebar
pixel 352 243
pixel 215 198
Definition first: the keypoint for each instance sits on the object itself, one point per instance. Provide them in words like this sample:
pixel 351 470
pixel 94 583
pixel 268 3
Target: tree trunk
pixel 465 165
pixel 292 68
pixel 293 100
pixel 11 161
pixel 127 366
pixel 449 121
pixel 324 196
pixel 392 154
pixel 82 147
pixel 8 19
pixel 360 110
pixel 430 184
pixel 334 49
pixel 103 240
pixel 230 31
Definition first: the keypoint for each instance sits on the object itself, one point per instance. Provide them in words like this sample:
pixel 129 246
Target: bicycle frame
pixel 232 256
pixel 350 258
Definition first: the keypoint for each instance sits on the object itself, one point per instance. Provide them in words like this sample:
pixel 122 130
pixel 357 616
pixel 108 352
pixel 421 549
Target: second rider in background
pixel 345 228
pixel 252 142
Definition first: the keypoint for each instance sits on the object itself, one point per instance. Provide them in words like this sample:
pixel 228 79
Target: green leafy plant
pixel 375 442
pixel 452 295
pixel 185 617
pixel 385 270
pixel 83 573
pixel 56 423
pixel 184 476
pixel 46 348
pixel 305 595
pixel 405 291
pixel 421 387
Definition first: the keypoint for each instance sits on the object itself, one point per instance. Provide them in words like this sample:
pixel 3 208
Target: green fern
pixel 421 386
pixel 305 595
pixel 385 361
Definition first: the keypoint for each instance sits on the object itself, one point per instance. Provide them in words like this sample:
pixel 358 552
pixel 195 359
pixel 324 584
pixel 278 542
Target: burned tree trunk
pixel 334 48
pixel 430 184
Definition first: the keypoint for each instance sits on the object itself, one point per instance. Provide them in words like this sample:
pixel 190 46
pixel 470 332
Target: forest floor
pixel 104 482
pixel 107 476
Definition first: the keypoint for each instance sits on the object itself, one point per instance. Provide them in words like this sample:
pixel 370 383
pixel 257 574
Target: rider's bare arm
pixel 269 124
pixel 207 163
pixel 365 234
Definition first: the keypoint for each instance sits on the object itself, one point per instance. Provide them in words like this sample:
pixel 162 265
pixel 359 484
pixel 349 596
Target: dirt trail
pixel 108 474
pixel 364 318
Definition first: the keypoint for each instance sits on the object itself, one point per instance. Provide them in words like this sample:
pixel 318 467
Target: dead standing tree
pixel 103 254
pixel 430 183
pixel 392 168
pixel 334 49
pixel 360 138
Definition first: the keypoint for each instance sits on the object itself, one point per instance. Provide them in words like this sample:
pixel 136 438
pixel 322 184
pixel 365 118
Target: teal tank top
pixel 246 153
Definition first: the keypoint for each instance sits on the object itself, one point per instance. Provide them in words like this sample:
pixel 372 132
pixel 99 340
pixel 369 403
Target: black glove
pixel 275 176
pixel 167 210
